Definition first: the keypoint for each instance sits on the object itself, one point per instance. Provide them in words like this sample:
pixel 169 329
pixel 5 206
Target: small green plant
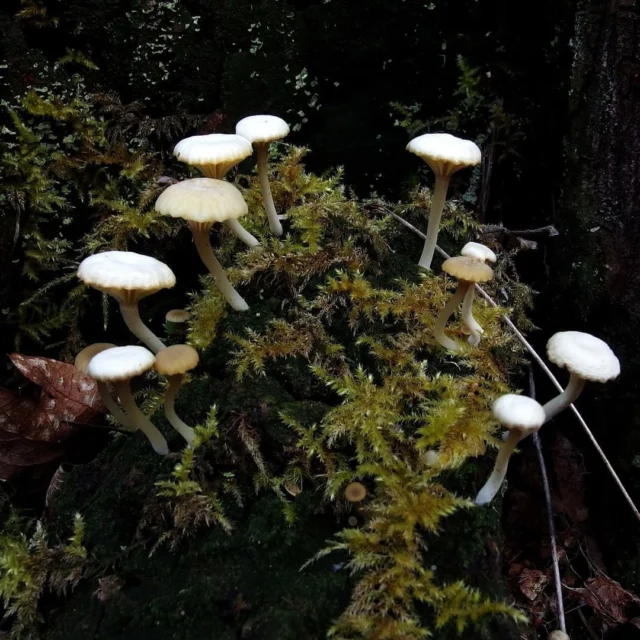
pixel 29 566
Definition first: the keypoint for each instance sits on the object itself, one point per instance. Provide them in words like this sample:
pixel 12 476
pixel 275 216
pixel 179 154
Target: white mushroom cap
pixel 478 251
pixel 202 200
pixel 120 363
pixel 445 153
pixel 125 274
pixel 583 355
pixel 213 149
pixel 262 128
pixel 518 412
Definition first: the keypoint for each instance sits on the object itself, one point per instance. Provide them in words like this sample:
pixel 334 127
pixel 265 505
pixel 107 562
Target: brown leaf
pixel 66 396
pixel 608 597
pixel 532 583
pixel 26 453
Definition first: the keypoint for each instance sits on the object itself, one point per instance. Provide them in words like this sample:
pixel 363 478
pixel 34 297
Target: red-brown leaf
pixel 607 597
pixel 66 396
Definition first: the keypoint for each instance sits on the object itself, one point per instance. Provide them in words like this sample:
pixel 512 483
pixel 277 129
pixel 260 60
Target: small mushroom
pixel 176 318
pixel 586 358
pixel 445 154
pixel 214 155
pixel 82 365
pixel 262 131
pixel 558 635
pixel 128 277
pixel 355 492
pixel 522 416
pixel 479 252
pixel 484 254
pixel 118 366
pixel 468 271
pixel 202 202
pixel 174 362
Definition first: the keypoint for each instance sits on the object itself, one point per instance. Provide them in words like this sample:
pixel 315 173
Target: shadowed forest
pixel 298 435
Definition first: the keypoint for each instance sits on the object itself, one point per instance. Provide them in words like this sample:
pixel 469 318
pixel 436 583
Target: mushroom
pixel 479 252
pixel 261 131
pixel 119 365
pixel 522 416
pixel 468 271
pixel 82 365
pixel 558 635
pixel 355 492
pixel 586 358
pixel 174 362
pixel 128 277
pixel 214 155
pixel 445 154
pixel 203 202
pixel 176 317
pixel 484 254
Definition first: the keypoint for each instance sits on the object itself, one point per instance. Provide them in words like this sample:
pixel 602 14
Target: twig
pixel 550 522
pixel 543 366
pixel 546 232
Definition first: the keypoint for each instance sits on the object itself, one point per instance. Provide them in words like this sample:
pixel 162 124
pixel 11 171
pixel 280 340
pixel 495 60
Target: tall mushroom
pixel 118 366
pixel 128 277
pixel 261 131
pixel 522 416
pixel 484 254
pixel 586 358
pixel 468 271
pixel 202 202
pixel 174 362
pixel 445 154
pixel 82 365
pixel 214 155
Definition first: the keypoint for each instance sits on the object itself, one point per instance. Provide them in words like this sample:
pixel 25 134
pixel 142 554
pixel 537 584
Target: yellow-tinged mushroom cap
pixel 202 200
pixel 213 154
pixel 84 357
pixel 445 153
pixel 355 492
pixel 126 275
pixel 468 269
pixel 177 359
pixel 177 315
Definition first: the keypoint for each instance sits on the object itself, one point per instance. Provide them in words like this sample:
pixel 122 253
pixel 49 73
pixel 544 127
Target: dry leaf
pixel 66 396
pixel 608 597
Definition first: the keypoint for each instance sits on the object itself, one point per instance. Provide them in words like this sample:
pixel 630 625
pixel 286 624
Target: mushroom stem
pixel 241 233
pixel 114 408
pixel 132 319
pixel 468 319
pixel 205 251
pixel 566 398
pixel 145 425
pixel 493 484
pixel 262 153
pixel 169 410
pixel 446 313
pixel 437 206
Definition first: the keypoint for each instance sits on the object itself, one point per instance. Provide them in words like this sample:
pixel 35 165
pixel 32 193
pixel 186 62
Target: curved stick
pixel 139 329
pixel 145 425
pixel 437 206
pixel 493 484
pixel 262 153
pixel 446 313
pixel 169 410
pixel 205 251
pixel 241 233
